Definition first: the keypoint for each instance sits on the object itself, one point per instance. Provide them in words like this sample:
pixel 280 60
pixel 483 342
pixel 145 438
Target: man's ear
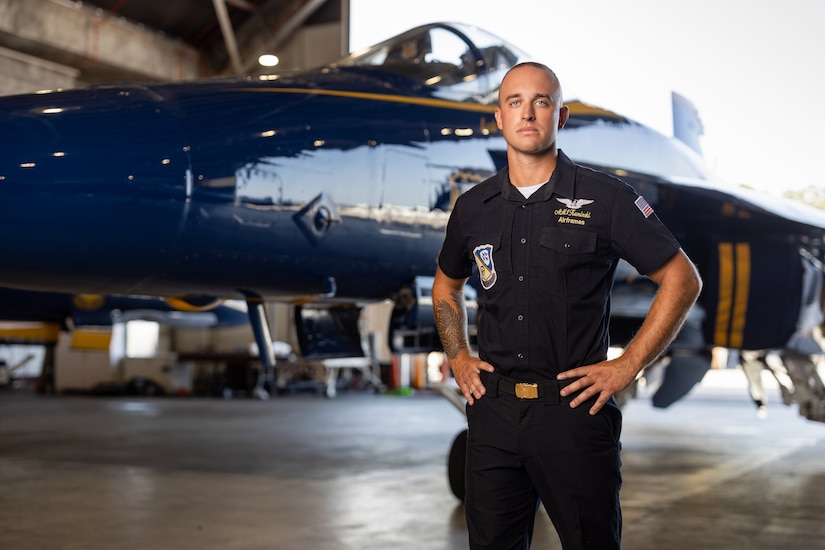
pixel 564 114
pixel 498 118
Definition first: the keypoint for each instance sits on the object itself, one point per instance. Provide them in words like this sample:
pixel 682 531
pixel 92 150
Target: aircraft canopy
pixel 453 61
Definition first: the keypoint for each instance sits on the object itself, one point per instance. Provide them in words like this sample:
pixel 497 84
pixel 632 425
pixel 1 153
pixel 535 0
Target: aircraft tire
pixel 455 465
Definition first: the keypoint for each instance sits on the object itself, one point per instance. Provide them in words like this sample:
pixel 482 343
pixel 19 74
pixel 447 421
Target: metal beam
pixel 243 4
pixel 285 32
pixel 228 35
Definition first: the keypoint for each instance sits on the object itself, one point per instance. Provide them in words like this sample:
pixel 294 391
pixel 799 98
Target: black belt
pixel 547 390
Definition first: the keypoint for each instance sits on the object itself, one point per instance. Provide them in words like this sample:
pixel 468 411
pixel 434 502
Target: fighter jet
pixel 330 189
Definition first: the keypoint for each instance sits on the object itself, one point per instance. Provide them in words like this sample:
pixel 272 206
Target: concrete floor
pixel 369 472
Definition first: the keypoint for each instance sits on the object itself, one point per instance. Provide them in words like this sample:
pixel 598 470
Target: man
pixel 546 236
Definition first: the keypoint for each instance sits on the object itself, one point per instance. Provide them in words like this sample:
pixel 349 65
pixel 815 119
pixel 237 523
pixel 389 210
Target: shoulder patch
pixel 643 206
pixel 483 255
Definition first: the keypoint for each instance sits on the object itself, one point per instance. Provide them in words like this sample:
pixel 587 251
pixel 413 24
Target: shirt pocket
pixel 567 260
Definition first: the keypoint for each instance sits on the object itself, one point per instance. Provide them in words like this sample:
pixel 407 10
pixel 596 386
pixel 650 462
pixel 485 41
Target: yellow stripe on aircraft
pixel 740 302
pixel 34 332
pixel 579 108
pixel 426 101
pixel 734 286
pixel 184 304
pixel 725 299
pixel 94 340
pixel 576 107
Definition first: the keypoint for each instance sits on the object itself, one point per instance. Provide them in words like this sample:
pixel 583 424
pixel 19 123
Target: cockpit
pixel 451 60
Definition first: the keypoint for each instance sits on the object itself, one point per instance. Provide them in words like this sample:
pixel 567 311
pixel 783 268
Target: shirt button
pixel 523 240
pixel 520 278
pixel 566 245
pixel 521 317
pixel 520 356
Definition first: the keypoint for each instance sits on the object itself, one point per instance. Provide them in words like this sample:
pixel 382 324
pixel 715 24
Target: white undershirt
pixel 529 189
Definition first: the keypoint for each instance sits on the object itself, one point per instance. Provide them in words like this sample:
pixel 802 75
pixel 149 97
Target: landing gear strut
pixel 263 337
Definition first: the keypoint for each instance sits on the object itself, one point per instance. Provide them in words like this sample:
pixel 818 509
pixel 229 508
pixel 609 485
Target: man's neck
pixel 526 170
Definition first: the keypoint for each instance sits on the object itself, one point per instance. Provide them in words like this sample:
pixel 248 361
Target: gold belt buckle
pixel 527 391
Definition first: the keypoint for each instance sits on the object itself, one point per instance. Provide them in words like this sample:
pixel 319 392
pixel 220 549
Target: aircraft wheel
pixel 455 465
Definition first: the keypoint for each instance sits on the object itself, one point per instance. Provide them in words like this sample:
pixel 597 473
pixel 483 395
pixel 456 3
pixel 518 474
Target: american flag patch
pixel 642 205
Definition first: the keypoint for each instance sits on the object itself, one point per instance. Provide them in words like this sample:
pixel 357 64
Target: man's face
pixel 529 114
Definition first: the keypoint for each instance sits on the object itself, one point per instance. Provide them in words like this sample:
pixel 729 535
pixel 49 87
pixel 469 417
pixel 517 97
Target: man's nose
pixel 528 114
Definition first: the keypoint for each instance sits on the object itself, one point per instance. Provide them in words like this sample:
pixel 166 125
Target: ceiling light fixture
pixel 268 60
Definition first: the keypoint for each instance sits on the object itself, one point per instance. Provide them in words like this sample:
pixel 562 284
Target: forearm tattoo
pixel 451 321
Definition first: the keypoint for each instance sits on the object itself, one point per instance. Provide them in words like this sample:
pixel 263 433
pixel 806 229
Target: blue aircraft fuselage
pixel 276 188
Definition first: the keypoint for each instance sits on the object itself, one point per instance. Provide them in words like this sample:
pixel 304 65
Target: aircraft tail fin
pixel 687 126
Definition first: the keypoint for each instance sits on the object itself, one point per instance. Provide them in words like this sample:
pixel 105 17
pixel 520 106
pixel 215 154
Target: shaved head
pixel 542 67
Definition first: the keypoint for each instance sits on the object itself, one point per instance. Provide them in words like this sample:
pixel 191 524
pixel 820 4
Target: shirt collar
pixel 561 183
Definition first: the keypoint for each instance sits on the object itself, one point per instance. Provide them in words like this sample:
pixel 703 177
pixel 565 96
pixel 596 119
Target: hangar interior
pixel 70 44
pixel 354 472
pixel 63 44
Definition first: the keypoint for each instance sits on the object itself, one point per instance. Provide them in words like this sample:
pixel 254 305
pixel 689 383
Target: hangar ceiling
pixel 92 42
pixel 198 22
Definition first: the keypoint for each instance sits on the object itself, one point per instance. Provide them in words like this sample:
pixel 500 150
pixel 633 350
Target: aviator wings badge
pixel 574 204
pixel 486 269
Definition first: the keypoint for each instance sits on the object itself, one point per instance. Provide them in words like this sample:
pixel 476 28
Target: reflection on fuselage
pixel 417 183
pixel 407 185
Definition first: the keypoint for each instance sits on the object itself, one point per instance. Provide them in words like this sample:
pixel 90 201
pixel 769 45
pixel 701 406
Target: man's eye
pixel 515 103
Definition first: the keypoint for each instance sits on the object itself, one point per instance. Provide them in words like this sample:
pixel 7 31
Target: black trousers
pixel 521 453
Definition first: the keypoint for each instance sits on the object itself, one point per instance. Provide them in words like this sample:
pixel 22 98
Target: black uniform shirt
pixel 545 265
